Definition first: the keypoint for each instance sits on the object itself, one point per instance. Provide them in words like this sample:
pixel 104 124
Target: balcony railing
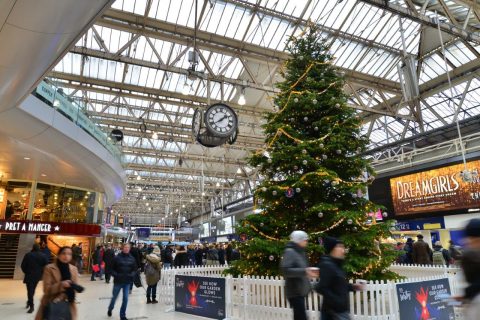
pixel 54 97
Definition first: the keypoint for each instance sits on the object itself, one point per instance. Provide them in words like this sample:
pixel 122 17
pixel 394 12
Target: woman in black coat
pixel 181 258
pixel 108 257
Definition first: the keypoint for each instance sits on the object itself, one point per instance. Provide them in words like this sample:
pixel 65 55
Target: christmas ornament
pixel 334 183
pixel 321 145
pixel 320 214
pixel 305 162
pixel 295 167
pixel 305 200
pixel 359 149
pixel 339 151
pixel 260 201
pixel 314 101
pixel 300 58
pixel 271 258
pixel 316 128
pixel 289 193
pixel 292 120
pixel 385 214
pixel 295 100
pixel 264 189
pixel 324 157
pixel 337 105
pixel 261 224
pixel 274 192
pixel 349 221
pixel 304 151
pixel 297 190
pixel 269 160
pixel 305 119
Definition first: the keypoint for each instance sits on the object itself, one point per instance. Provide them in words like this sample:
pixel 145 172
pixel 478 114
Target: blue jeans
pixel 152 291
pixel 125 287
pixel 167 265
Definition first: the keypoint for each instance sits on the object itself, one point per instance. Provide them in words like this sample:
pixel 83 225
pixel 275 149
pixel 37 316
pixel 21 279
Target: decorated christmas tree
pixel 314 175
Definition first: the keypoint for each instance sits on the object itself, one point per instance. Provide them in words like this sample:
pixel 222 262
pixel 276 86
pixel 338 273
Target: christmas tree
pixel 314 176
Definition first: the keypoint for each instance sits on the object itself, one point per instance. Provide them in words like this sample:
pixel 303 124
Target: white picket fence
pixel 264 297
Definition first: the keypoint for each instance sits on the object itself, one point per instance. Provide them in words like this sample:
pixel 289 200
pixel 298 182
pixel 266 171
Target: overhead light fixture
pixel 239 170
pixel 183 206
pixel 241 99
pixel 43 175
pixel 155 136
pixel 26 158
pixel 192 201
pixel 218 184
pixel 186 88
pixel 147 204
pixel 139 188
pixel 203 194
pixel 144 197
pixel 139 178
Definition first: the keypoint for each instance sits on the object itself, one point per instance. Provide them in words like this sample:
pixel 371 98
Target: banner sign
pixel 143 233
pixel 37 227
pixel 200 296
pixel 437 190
pixel 423 300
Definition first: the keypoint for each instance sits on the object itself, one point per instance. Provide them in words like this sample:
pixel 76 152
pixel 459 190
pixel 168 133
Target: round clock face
pixel 221 120
pixel 196 122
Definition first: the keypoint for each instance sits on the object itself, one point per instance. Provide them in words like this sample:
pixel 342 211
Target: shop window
pixel 15 199
pixel 60 204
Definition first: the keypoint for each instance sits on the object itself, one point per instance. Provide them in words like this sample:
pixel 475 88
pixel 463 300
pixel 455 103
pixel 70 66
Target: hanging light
pixel 139 178
pixel 218 184
pixel 183 206
pixel 203 194
pixel 241 99
pixel 239 170
pixel 192 201
pixel 186 88
pixel 155 136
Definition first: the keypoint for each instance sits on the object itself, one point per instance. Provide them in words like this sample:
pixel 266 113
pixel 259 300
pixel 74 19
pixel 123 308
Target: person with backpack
pixel 440 256
pixel 153 269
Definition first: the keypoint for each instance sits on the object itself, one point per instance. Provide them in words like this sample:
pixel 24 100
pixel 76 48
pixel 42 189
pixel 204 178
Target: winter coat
pixel 124 268
pixel 53 289
pixel 409 253
pixel 153 269
pixel 108 257
pixel 333 286
pixel 228 253
pixel 32 265
pixel 293 266
pixel 181 259
pixel 422 254
pixel 199 257
pixel 135 253
pixel 221 256
pixel 167 255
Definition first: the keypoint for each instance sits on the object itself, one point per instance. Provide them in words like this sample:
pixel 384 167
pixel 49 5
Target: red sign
pixel 37 227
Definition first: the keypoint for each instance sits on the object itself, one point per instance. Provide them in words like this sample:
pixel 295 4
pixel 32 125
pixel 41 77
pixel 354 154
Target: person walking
pixel 333 284
pixel 60 284
pixel 294 267
pixel 135 253
pixel 440 256
pixel 212 256
pixel 153 269
pixel 32 266
pixel 471 266
pixel 124 268
pixel 181 258
pixel 97 263
pixel 108 257
pixel 422 254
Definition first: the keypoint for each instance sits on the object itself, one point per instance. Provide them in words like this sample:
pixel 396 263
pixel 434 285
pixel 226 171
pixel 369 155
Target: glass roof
pixel 131 65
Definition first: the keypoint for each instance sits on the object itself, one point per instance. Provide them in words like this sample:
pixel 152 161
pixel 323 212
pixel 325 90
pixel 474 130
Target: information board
pixel 200 296
pixel 423 300
pixel 436 190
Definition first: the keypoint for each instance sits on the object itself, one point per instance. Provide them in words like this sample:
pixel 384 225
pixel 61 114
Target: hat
pixel 409 240
pixel 330 243
pixel 298 236
pixel 156 250
pixel 473 228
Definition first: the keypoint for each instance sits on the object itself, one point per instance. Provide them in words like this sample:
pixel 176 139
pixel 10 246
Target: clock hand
pixel 224 117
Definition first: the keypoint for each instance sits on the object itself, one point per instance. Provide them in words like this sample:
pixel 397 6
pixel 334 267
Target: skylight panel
pixel 238 22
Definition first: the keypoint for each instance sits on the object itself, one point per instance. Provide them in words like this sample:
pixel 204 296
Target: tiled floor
pixel 92 303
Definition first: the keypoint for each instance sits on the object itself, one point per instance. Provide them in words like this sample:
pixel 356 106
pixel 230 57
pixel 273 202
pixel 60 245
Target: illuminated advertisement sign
pixel 441 189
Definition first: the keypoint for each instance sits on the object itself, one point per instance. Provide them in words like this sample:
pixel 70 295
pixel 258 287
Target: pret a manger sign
pixel 436 190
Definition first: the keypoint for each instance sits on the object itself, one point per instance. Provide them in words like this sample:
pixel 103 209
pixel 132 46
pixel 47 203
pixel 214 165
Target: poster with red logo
pixel 424 300
pixel 200 296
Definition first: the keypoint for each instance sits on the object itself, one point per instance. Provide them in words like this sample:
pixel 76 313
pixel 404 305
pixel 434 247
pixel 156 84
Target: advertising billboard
pixel 441 189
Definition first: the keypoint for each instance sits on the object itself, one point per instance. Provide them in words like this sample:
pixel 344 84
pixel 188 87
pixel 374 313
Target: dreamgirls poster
pixel 201 296
pixel 422 300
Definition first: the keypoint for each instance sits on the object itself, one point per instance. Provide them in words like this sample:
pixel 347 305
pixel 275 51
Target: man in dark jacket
pixel 295 270
pixel 167 257
pixel 108 257
pixel 199 256
pixel 32 265
pixel 333 283
pixel 124 268
pixel 422 254
pixel 135 252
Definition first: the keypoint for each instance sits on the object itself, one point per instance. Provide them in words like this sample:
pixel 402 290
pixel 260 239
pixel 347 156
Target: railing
pixel 54 97
pixel 264 297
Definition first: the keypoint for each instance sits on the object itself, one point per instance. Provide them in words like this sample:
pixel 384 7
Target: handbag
pixel 59 310
pixel 95 268
pixel 137 281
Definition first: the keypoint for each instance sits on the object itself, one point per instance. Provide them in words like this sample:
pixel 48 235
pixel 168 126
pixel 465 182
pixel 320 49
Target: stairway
pixel 8 254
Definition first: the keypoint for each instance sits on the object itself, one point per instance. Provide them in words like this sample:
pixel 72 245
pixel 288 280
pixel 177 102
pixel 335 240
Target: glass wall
pixel 63 204
pixel 15 199
pixel 225 225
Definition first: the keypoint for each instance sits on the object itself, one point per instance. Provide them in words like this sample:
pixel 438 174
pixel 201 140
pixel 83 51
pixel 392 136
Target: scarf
pixel 65 274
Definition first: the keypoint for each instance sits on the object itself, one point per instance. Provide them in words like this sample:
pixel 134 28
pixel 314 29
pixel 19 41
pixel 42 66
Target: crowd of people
pixel 419 252
pixel 127 261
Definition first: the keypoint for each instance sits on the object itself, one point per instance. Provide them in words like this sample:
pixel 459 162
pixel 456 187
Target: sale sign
pixel 424 300
pixel 200 296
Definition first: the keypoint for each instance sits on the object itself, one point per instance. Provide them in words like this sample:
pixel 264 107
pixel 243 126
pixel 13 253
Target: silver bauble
pixel 320 214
